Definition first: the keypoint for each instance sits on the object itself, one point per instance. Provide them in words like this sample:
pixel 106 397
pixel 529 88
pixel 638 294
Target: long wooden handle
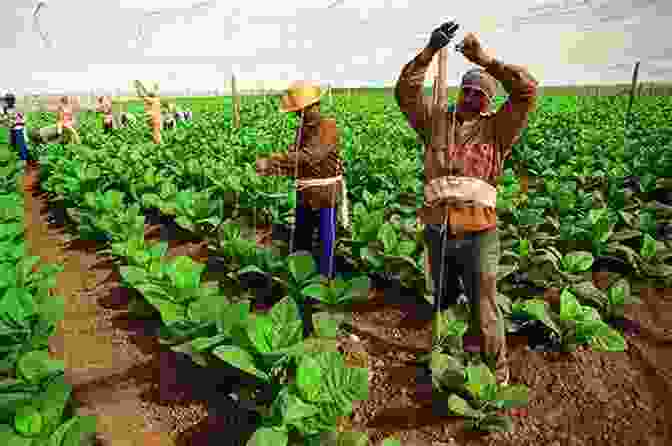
pixel 439 104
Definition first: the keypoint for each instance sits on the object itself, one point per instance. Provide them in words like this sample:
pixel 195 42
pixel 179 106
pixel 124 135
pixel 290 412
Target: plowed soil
pixel 145 396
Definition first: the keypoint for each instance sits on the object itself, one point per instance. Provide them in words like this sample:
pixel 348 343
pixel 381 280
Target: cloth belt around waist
pixel 460 191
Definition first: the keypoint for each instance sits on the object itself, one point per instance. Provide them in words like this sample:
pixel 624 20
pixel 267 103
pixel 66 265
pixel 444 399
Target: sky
pixel 84 45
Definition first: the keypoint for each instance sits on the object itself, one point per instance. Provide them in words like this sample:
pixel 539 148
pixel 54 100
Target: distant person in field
pixel 315 161
pixel 16 122
pixel 65 122
pixel 105 108
pixel 168 116
pixel 152 108
pixel 459 209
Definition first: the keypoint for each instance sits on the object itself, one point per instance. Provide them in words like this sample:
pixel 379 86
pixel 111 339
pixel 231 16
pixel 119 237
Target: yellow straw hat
pixel 300 95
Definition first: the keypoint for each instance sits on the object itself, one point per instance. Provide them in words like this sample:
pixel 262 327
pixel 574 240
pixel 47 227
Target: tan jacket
pixel 318 157
pixel 481 146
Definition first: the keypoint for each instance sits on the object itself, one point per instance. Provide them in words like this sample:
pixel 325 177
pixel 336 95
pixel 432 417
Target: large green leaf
pixel 302 267
pixel 81 432
pixel 269 436
pixel 577 261
pixel 9 437
pixel 606 339
pixel 28 421
pixel 516 395
pixel 461 407
pixel 36 365
pixel 52 402
pixel 240 359
pixel 18 304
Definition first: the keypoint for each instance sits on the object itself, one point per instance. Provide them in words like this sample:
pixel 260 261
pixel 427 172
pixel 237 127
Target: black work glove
pixel 442 35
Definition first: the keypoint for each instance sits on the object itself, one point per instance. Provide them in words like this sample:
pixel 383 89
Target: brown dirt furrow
pixel 115 369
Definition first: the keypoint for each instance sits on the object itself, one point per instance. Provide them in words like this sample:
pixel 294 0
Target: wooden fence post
pixel 633 86
pixel 236 102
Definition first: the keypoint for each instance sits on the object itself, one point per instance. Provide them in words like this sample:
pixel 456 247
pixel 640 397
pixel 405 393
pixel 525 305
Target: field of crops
pixel 586 227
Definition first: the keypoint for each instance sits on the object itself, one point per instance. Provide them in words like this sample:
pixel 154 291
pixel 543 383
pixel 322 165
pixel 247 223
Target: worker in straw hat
pixel 104 107
pixel 152 108
pixel 461 174
pixel 15 122
pixel 65 121
pixel 315 161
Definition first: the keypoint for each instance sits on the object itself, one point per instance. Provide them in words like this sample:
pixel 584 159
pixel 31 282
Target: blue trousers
pixel 18 141
pixel 306 220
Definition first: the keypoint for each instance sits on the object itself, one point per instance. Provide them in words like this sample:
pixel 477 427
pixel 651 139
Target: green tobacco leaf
pixel 170 311
pixel 18 304
pixel 619 293
pixel 81 432
pixel 260 331
pixel 516 395
pixel 388 236
pixel 52 309
pixel 480 381
pixel 302 267
pixel 185 273
pixel 577 261
pixel 269 436
pixel 447 371
pixel 207 343
pixel 232 315
pixel 587 292
pixel 570 309
pixel 287 323
pixel 391 442
pixel 36 365
pixel 310 380
pixel 606 339
pixel 316 291
pixel 461 407
pixel 648 250
pixel 240 359
pixel 295 409
pixel 52 402
pixel 206 308
pixel 348 438
pixel 326 324
pixel 28 421
pixel 9 437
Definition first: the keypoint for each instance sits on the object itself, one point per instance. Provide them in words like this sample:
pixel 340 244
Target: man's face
pixel 473 100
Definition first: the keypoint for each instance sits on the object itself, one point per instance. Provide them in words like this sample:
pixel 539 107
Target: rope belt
pixel 460 191
pixel 305 183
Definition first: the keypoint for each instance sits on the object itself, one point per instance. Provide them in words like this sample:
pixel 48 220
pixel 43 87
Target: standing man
pixel 105 108
pixel 315 160
pixel 16 123
pixel 65 122
pixel 461 174
pixel 152 108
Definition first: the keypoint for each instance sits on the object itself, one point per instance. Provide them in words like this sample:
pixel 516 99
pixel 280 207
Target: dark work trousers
pixel 306 221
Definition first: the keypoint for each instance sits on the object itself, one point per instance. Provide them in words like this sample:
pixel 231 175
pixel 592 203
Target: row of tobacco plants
pixel 606 217
pixel 35 400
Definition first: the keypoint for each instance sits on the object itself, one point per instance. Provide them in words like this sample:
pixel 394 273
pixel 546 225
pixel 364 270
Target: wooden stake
pixel 439 103
pixel 236 102
pixel 633 86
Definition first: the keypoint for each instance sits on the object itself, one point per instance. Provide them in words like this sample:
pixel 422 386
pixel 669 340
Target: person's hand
pixel 471 49
pixel 442 35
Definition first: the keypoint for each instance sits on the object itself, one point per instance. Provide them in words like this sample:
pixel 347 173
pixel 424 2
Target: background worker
pixel 105 108
pixel 152 108
pixel 459 209
pixel 315 156
pixel 65 122
pixel 168 116
pixel 15 122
